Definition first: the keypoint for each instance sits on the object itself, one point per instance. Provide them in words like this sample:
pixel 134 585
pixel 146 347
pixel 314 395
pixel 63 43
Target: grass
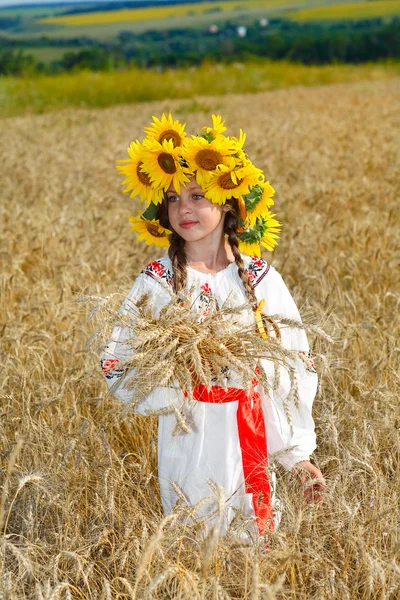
pixel 47 54
pixel 353 11
pixel 80 513
pixel 87 89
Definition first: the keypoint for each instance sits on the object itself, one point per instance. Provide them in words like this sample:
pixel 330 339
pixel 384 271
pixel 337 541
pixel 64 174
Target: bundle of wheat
pixel 178 349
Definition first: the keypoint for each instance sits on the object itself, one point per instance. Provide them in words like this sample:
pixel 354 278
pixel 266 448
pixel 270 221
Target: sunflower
pixel 258 201
pixel 267 192
pixel 166 129
pixel 239 142
pixel 272 228
pixel 250 248
pixel 264 232
pixel 150 231
pixel 229 183
pixel 203 157
pixel 238 148
pixel 210 133
pixel 161 163
pixel 138 181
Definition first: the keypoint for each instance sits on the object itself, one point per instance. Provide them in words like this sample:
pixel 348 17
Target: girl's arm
pixel 293 444
pixel 117 350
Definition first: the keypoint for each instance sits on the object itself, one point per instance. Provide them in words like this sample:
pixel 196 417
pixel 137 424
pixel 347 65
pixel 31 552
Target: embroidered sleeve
pixel 157 270
pixel 115 358
pixel 257 270
pixel 111 367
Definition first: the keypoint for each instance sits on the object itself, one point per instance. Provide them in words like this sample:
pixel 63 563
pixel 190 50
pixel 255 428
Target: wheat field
pixel 80 512
pixel 354 10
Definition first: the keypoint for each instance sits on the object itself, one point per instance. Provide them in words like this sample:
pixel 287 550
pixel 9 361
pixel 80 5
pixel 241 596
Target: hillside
pixel 49 40
pixel 80 513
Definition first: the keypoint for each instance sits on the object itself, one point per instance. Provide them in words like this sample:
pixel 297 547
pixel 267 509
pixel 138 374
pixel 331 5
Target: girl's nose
pixel 184 205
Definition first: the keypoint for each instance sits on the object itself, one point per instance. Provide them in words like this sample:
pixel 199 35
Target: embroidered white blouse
pixel 211 451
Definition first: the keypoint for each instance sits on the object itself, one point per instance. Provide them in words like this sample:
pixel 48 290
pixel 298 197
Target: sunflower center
pixel 171 134
pixel 143 177
pixel 167 163
pixel 226 183
pixel 154 230
pixel 208 159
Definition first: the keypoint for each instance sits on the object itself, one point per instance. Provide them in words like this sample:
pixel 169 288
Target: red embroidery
pixel 258 262
pixel 157 270
pixel 109 368
pixel 109 364
pixel 206 288
pixel 207 300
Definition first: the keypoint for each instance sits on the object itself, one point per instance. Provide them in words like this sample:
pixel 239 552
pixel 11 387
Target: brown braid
pixel 176 251
pixel 230 228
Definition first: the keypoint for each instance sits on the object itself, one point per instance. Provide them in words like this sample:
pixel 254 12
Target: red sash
pixel 253 444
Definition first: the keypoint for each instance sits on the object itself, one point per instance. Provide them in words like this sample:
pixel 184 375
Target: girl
pixel 208 202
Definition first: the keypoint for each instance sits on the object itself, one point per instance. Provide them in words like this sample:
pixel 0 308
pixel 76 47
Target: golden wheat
pixel 80 513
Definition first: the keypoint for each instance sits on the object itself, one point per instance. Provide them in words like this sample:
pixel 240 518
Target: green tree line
pixel 318 44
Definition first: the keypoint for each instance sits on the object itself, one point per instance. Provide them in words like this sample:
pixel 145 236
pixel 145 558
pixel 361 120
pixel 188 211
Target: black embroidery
pixel 109 370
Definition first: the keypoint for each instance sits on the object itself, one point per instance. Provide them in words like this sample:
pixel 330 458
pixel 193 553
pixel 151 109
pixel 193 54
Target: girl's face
pixel 192 216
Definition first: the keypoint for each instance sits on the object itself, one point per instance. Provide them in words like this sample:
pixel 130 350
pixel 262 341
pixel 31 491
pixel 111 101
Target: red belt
pixel 253 444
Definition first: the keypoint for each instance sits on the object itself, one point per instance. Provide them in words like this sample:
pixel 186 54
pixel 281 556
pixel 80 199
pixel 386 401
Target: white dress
pixel 211 452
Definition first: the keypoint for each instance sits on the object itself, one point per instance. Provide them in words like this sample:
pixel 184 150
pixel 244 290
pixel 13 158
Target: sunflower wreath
pixel 221 167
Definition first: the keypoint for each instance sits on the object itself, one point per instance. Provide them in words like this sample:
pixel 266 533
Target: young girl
pixel 208 202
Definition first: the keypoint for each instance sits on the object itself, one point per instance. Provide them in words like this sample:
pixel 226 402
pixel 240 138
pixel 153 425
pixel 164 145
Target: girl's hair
pixel 177 254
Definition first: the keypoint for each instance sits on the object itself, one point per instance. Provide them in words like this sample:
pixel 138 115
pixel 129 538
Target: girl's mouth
pixel 187 224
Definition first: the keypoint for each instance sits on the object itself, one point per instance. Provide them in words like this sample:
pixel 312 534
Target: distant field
pixel 106 25
pixel 146 14
pixel 359 10
pixel 109 30
pixel 87 89
pixel 34 11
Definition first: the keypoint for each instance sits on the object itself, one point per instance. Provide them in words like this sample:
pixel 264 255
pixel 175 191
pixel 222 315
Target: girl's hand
pixel 312 481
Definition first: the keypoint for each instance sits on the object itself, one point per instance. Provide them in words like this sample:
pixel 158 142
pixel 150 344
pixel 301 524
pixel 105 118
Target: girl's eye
pixel 198 196
pixel 173 198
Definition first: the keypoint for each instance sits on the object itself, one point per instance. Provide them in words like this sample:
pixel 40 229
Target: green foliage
pixel 16 62
pixel 8 22
pixel 93 59
pixel 307 43
pixel 310 43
